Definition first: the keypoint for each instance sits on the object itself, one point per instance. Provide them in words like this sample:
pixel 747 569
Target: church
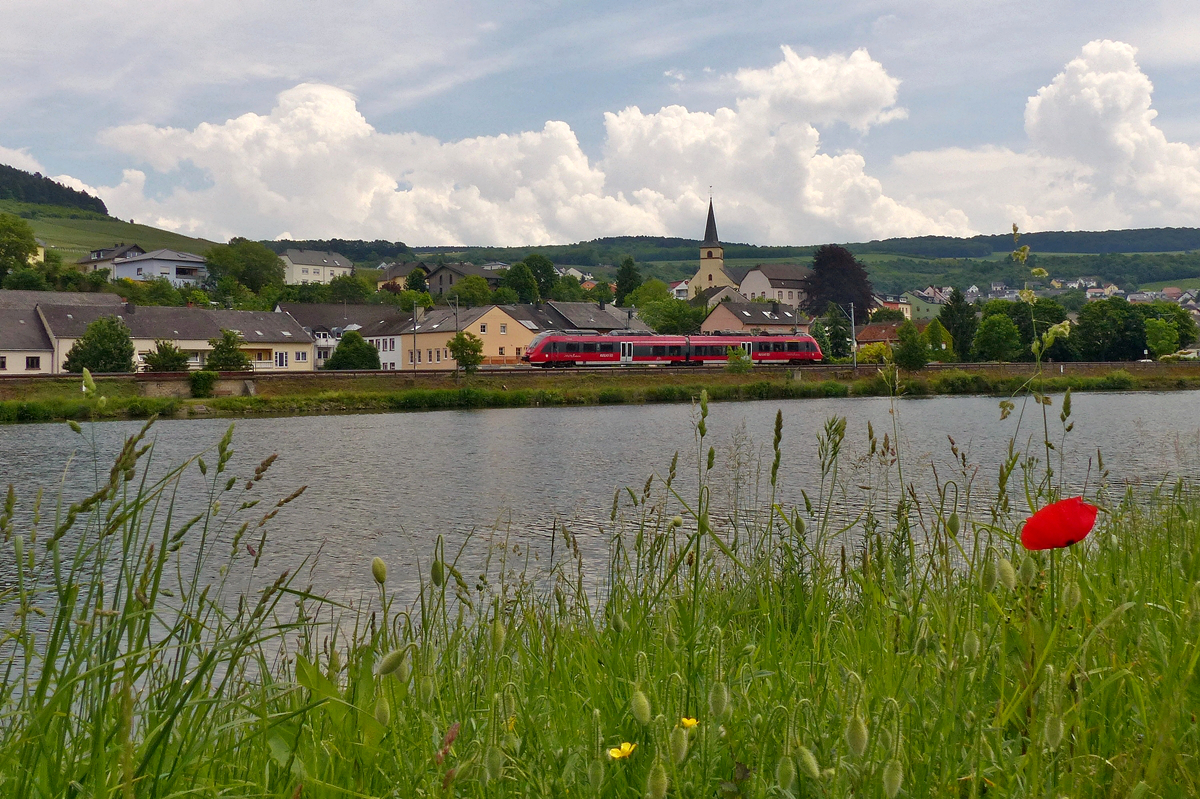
pixel 712 274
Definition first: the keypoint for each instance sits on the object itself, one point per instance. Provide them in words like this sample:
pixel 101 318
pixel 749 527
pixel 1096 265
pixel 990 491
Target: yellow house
pixel 273 342
pixel 313 266
pixel 747 317
pixel 711 273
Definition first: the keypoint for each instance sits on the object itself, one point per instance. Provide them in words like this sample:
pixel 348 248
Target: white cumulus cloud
pixel 21 159
pixel 316 167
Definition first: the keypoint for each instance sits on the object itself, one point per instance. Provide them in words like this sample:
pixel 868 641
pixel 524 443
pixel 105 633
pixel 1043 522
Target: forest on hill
pixel 26 187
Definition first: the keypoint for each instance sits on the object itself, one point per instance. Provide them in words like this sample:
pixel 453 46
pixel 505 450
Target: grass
pixel 75 237
pixel 873 642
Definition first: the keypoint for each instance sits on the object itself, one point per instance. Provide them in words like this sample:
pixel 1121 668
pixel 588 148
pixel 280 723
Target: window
pixel 781 295
pixel 281 359
pixel 139 270
pixel 658 350
pixel 483 327
pixel 710 253
pixel 258 356
pixel 391 345
pixel 500 352
pixel 304 271
pixel 301 356
pixel 793 346
pixel 429 356
pixel 589 346
pixel 518 352
pixel 503 329
pixel 789 295
pixel 606 347
pixel 572 347
pixel 418 356
pixel 710 278
pixel 446 354
pixel 3 363
pixel 438 353
pixel 410 356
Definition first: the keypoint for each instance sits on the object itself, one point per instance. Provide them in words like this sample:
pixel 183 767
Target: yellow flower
pixel 622 751
pixel 512 723
pixel 687 723
pixel 1027 295
pixel 1037 271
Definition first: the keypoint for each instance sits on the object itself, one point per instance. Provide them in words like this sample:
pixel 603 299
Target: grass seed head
pixel 640 706
pixel 498 634
pixel 657 782
pixel 785 773
pixel 856 735
pixel 893 777
pixel 379 570
pixel 809 765
pixel 1007 574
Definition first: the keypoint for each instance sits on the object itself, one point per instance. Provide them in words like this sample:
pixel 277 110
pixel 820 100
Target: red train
pixel 554 348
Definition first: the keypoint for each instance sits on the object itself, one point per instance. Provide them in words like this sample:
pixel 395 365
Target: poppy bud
pixel 885 739
pixel 670 640
pixel 679 744
pixel 718 700
pixel 1072 596
pixel 893 777
pixel 640 706
pixel 437 573
pixel 677 521
pixel 335 662
pixel 498 633
pixel 971 645
pixel 712 458
pixel 808 764
pixel 619 624
pixel 785 773
pixel 494 763
pixel 596 773
pixel 390 662
pixel 990 575
pixel 1006 573
pixel 1054 731
pixel 425 690
pixel 383 711
pixel 379 570
pixel 952 524
pixel 1028 571
pixel 404 670
pixel 656 782
pixel 856 735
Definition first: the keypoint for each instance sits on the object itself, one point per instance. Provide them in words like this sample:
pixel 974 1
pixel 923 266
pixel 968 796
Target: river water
pixel 389 484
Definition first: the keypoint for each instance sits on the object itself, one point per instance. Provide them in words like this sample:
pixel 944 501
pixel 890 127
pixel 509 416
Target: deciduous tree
pixel 837 277
pixel 226 354
pixel 17 244
pixel 911 351
pixel 165 357
pixel 652 290
pixel 888 315
pixel 543 272
pixel 353 352
pixel 249 262
pixel 472 291
pixel 416 280
pixel 672 317
pixel 997 339
pixel 520 279
pixel 105 346
pixel 467 350
pixel 837 329
pixel 1161 337
pixel 1110 330
pixel 628 279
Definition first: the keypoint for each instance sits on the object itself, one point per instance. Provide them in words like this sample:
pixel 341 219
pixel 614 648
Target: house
pixel 274 342
pixel 103 258
pixel 679 289
pixel 183 269
pixel 25 346
pixel 921 306
pixel 776 282
pixel 326 322
pixel 397 273
pixel 571 271
pixel 443 276
pixel 710 297
pixel 600 317
pixel 1172 293
pixel 893 303
pixel 39 255
pixel 492 266
pixel 745 317
pixel 712 273
pixel 313 266
pixel 882 332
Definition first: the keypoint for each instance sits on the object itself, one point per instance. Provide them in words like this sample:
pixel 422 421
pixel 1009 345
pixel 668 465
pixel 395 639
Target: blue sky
pixel 427 122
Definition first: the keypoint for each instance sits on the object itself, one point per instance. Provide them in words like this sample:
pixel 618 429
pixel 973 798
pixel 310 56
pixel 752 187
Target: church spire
pixel 710 230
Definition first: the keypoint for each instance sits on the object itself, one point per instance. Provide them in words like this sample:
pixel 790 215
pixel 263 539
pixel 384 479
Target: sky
pixel 534 122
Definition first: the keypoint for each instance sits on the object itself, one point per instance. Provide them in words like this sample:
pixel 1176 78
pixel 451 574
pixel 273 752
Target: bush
pixel 202 383
pixel 738 361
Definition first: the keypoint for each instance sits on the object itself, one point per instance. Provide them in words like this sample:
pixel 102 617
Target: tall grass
pixel 872 642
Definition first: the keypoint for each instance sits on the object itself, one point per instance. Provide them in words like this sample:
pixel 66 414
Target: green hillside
pixel 75 232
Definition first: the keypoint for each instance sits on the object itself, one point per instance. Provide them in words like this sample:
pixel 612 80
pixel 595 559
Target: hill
pixel 22 186
pixel 74 231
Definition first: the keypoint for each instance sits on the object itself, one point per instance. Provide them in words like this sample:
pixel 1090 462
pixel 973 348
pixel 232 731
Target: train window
pixel 777 346
pixel 572 347
pixel 589 346
pixel 793 346
pixel 810 346
pixel 606 348
pixel 658 349
pixel 699 350
pixel 675 349
pixel 764 346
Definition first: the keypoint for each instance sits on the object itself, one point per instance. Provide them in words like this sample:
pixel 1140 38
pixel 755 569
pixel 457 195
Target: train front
pixel 536 352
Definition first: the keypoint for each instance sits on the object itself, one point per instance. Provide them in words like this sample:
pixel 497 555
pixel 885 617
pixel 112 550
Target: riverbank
pixel 140 396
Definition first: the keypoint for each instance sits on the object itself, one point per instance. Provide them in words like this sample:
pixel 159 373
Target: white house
pixel 313 266
pixel 679 289
pixel 181 268
pixel 776 282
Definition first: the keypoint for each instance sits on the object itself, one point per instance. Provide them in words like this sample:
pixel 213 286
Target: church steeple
pixel 710 230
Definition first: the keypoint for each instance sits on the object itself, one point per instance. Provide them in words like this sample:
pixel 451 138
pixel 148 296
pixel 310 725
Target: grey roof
pixel 710 230
pixel 466 269
pixel 594 316
pixel 402 269
pixel 109 253
pixel 706 295
pixel 439 318
pixel 782 276
pixel 317 258
pixel 328 315
pixel 20 298
pixel 163 255
pixel 22 329
pixel 154 322
pixel 763 314
pixel 737 273
pixel 535 317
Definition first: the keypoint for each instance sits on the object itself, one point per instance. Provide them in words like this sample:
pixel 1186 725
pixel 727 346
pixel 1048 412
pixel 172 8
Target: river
pixel 389 484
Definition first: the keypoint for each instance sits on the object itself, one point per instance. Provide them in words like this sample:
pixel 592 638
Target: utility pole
pixel 853 338
pixel 415 353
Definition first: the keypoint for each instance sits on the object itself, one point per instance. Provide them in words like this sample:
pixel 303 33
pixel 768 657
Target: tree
pixel 353 352
pixel 837 277
pixel 520 279
pixel 837 329
pixel 672 317
pixel 911 352
pixel 407 300
pixel 939 341
pixel 1033 320
pixel 249 262
pixel 543 272
pixel 1110 330
pixel 1176 315
pixel 878 352
pixel 888 315
pixel 472 291
pixel 601 292
pixel 958 318
pixel 628 279
pixel 466 349
pixel 816 329
pixel 416 280
pixel 997 339
pixel 105 346
pixel 1161 337
pixel 349 289
pixel 27 278
pixel 567 289
pixel 161 291
pixel 17 244
pixel 505 296
pixel 738 361
pixel 652 290
pixel 165 357
pixel 226 354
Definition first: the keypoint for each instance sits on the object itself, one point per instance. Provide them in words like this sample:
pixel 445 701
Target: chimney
pixel 130 308
pixel 775 307
pixel 602 304
pixel 419 310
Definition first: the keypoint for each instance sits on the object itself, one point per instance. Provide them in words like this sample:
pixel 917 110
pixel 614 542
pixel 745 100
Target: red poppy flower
pixel 1059 524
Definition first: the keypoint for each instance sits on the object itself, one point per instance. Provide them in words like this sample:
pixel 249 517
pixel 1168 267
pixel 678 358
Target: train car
pixel 558 349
